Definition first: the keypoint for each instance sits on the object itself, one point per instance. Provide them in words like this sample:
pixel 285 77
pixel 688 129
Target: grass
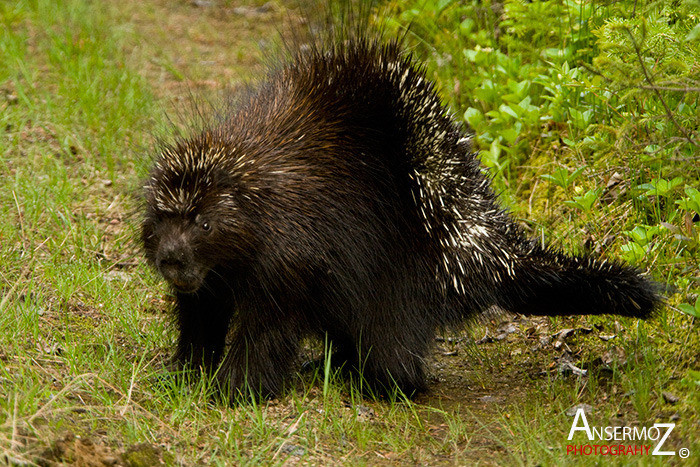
pixel 84 86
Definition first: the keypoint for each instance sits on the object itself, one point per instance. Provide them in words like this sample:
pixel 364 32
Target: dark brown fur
pixel 340 198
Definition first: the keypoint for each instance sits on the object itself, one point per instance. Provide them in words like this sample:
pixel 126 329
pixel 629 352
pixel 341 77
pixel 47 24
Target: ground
pixel 502 391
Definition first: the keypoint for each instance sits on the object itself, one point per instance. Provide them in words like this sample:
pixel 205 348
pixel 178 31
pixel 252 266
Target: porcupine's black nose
pixel 175 267
pixel 171 256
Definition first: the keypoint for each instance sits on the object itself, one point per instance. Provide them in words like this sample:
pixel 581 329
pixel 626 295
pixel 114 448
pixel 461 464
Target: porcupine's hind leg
pixel 385 357
pixel 391 349
pixel 388 363
pixel 547 282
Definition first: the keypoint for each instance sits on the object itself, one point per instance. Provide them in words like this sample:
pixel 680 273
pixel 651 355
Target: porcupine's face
pixel 191 221
pixel 174 246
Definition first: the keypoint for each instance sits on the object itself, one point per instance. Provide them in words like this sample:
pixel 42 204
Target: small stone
pixel 670 398
pixel 587 409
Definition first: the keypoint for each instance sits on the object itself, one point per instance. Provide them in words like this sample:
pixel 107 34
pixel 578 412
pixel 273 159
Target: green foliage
pixel 661 187
pixel 562 177
pixel 557 89
pixel 690 309
pixel 641 243
pixel 612 87
pixel 585 201
pixel 692 201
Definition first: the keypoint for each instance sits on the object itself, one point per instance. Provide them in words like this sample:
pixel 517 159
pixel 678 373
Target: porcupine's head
pixel 194 220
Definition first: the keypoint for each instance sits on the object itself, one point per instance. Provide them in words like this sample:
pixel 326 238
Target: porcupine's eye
pixel 203 224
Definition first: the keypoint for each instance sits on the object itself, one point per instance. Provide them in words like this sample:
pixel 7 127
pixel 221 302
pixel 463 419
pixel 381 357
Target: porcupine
pixel 340 198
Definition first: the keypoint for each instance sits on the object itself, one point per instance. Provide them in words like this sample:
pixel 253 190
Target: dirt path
pixel 198 46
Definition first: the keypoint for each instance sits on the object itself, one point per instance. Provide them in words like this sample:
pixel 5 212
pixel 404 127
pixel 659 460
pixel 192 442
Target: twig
pixel 669 88
pixel 134 371
pixel 289 432
pixel 656 89
pixel 19 214
pixel 122 412
pixel 59 394
pixel 14 443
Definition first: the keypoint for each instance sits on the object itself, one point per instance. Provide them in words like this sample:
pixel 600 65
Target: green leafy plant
pixel 585 201
pixel 660 187
pixel 641 242
pixel 691 202
pixel 562 177
pixel 692 310
pixel 546 85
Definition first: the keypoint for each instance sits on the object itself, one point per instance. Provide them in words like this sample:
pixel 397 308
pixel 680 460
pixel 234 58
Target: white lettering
pixel 618 436
pixel 580 414
pixel 639 434
pixel 656 451
pixel 609 433
pixel 598 432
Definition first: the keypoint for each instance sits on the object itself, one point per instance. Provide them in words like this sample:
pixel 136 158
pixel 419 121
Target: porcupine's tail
pixel 547 282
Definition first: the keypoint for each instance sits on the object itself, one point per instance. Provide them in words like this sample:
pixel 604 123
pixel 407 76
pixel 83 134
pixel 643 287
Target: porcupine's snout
pixel 177 262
